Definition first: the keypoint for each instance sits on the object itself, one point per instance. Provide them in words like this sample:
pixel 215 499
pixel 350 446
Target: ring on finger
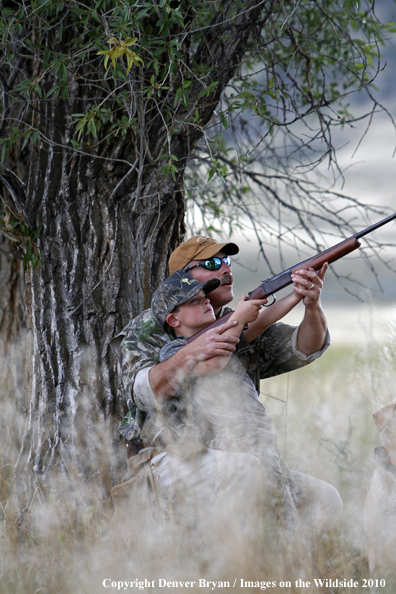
pixel 311 287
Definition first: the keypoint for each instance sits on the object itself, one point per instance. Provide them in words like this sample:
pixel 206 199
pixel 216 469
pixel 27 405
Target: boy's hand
pixel 247 310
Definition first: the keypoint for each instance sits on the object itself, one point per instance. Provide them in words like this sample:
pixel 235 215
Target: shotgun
pixel 283 279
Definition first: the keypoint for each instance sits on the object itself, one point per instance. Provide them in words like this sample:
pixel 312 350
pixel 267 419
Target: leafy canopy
pixel 152 71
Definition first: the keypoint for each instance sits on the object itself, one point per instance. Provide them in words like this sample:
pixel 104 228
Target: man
pixel 280 348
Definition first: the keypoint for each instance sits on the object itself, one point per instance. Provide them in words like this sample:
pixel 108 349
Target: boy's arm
pixel 166 377
pixel 270 315
pixel 246 312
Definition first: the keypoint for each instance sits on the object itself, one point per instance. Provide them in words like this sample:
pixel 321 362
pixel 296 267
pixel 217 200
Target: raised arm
pixel 270 315
pixel 246 312
pixel 313 328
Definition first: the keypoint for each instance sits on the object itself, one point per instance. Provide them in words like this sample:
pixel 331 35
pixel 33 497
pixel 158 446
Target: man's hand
pixel 167 377
pixel 213 343
pixel 309 284
pixel 313 328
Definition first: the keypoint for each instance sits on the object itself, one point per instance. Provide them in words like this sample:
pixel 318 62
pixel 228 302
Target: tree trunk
pixel 12 333
pixel 109 222
pixel 102 259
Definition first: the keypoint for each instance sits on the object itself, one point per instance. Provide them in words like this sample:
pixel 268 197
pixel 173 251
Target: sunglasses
pixel 212 263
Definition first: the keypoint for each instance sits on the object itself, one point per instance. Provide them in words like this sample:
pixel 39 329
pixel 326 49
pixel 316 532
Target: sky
pixel 369 171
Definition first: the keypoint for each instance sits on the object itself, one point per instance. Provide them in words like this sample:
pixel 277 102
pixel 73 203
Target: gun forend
pixel 282 280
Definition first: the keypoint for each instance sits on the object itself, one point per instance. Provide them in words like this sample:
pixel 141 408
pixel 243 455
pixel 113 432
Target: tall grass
pixel 69 541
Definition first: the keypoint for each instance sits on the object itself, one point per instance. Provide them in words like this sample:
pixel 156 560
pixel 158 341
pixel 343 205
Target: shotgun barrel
pixel 271 285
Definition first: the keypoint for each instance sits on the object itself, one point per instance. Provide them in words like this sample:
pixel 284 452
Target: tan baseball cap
pixel 198 248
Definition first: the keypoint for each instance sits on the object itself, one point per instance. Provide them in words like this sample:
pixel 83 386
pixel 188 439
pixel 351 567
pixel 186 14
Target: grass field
pixel 68 543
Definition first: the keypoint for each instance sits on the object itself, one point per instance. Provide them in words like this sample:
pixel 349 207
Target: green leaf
pixel 178 95
pixel 26 139
pixel 26 258
pixel 37 232
pixel 223 121
pixel 185 98
pixel 52 91
pixel 174 171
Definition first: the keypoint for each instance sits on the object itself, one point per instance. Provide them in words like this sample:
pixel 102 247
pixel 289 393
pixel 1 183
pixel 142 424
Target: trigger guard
pixel 272 302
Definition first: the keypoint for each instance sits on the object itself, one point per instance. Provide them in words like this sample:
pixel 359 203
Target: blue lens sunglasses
pixel 211 263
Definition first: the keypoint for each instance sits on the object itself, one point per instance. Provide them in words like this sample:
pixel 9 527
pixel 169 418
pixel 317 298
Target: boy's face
pixel 193 315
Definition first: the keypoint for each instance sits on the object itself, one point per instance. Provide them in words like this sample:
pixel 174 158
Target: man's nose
pixel 225 267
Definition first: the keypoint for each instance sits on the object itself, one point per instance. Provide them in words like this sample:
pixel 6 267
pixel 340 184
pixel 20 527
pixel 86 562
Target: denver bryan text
pixel 162 583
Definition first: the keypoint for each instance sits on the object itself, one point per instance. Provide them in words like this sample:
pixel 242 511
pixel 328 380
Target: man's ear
pixel 172 321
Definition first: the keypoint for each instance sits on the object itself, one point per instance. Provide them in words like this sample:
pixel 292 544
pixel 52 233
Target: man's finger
pixel 219 338
pixel 225 349
pixel 322 271
pixel 308 279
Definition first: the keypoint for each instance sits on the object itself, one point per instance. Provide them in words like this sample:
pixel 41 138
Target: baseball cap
pixel 198 248
pixel 176 290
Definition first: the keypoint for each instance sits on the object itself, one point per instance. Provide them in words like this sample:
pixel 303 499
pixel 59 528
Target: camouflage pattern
pixel 176 290
pixel 140 348
pixel 269 355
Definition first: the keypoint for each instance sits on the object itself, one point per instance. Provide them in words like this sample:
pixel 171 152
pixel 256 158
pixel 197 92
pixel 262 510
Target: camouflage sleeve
pixel 142 341
pixel 275 352
pixel 171 348
pixel 140 348
pixel 278 352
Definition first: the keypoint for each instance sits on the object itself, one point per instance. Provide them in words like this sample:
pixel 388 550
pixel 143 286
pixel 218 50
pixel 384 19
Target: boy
pixel 179 305
pixel 221 409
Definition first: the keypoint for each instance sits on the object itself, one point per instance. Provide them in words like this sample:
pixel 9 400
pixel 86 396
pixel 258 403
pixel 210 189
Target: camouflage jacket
pixel 272 353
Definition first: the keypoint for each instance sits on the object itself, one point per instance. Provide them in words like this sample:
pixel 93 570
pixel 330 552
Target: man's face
pixel 225 292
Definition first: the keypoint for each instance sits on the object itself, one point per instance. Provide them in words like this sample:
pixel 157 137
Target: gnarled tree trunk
pixel 109 220
pixel 12 333
pixel 102 259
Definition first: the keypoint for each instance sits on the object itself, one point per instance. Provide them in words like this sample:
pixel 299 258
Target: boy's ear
pixel 172 321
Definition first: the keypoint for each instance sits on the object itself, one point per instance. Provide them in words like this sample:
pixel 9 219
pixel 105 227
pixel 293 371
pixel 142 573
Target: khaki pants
pixel 238 480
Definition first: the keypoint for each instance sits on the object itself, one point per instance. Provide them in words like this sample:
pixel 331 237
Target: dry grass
pixel 69 542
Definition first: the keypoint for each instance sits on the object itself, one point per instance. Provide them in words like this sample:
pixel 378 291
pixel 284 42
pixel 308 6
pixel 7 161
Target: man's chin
pixel 229 292
pixel 224 295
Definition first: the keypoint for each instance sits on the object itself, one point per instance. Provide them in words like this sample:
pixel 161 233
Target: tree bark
pixel 102 259
pixel 12 334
